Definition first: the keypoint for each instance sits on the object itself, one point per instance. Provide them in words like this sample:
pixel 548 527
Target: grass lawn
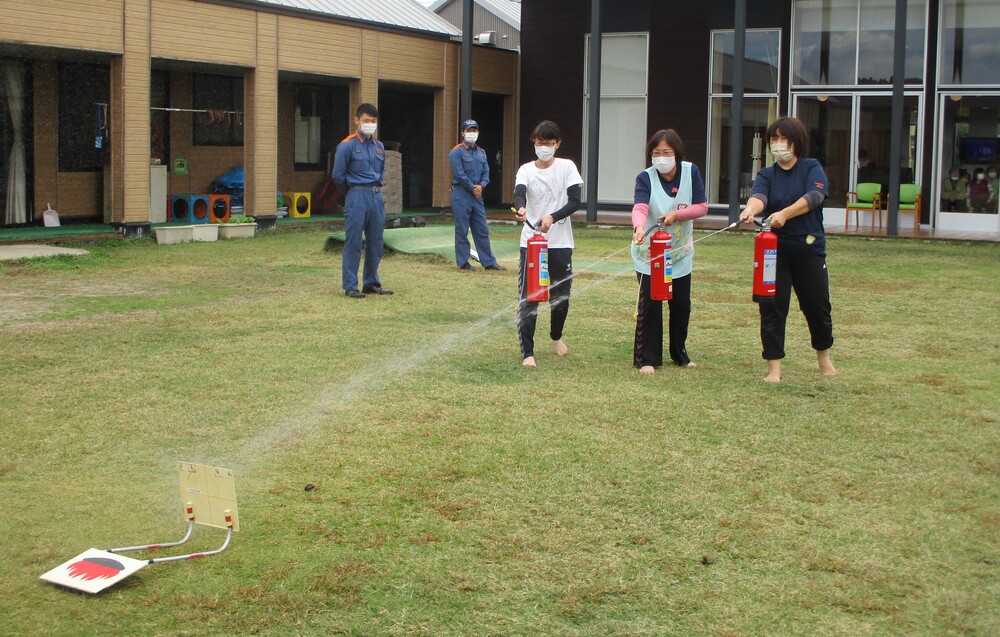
pixel 461 494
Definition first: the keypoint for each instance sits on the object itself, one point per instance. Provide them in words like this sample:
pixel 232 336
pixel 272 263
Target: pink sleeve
pixel 691 212
pixel 640 212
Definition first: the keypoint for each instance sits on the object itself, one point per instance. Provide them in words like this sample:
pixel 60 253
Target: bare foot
pixel 647 369
pixel 561 349
pixel 690 364
pixel 529 362
pixel 825 364
pixel 773 372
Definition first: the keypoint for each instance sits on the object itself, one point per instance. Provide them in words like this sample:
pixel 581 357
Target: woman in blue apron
pixel 671 192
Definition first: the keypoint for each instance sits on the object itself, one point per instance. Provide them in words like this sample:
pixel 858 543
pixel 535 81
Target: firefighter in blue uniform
pixel 470 175
pixel 358 166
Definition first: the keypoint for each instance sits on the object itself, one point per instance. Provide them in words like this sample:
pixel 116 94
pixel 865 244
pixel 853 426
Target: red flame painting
pixel 93 568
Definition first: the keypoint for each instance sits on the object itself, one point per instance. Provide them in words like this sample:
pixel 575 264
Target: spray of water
pixel 310 418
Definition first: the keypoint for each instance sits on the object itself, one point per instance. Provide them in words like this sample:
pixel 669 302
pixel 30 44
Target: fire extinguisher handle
pixel 529 224
pixel 649 232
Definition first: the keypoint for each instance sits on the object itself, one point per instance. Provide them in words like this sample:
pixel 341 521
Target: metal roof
pixel 507 10
pixel 403 14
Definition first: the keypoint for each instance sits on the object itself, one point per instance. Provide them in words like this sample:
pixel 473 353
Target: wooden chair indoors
pixel 909 201
pixel 868 198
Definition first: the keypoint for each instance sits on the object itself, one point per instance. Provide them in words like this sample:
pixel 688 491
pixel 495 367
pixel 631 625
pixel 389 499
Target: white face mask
pixel 979 177
pixel 993 175
pixel 369 129
pixel 664 164
pixel 471 138
pixel 782 152
pixel 545 153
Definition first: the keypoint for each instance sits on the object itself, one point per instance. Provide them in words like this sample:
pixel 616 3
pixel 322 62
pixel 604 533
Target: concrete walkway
pixel 30 251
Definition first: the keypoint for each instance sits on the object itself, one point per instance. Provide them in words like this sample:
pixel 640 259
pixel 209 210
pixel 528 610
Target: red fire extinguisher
pixel 765 263
pixel 661 270
pixel 537 267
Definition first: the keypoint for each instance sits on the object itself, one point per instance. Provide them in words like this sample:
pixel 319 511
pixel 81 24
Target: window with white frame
pixel 850 42
pixel 622 140
pixel 761 73
pixel 970 43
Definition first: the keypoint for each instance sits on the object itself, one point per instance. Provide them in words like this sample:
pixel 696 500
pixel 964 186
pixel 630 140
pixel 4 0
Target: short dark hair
pixel 546 129
pixel 367 109
pixel 673 140
pixel 793 130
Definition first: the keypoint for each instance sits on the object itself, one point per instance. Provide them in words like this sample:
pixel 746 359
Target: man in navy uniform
pixel 470 174
pixel 358 166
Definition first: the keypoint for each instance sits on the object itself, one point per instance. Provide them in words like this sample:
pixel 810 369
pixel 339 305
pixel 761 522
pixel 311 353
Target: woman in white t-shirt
pixel 546 193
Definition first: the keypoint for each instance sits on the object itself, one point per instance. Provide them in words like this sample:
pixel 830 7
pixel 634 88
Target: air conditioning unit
pixel 487 37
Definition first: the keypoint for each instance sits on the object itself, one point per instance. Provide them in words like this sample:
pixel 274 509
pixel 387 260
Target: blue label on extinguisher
pixel 668 267
pixel 543 267
pixel 770 266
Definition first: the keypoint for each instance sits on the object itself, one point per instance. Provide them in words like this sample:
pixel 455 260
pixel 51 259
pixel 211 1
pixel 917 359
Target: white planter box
pixel 237 230
pixel 206 232
pixel 174 234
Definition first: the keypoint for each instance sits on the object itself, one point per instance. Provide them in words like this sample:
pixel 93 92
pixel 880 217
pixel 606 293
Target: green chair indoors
pixel 868 198
pixel 909 201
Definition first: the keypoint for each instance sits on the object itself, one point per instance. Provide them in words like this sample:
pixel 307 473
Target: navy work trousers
pixel 808 276
pixel 364 212
pixel 470 211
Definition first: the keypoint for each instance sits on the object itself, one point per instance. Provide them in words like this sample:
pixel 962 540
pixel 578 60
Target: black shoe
pixel 354 294
pixel 375 289
pixel 467 266
pixel 496 266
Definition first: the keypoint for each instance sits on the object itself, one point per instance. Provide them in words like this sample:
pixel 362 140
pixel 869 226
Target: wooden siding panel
pixel 134 192
pixel 261 149
pixel 408 59
pixel 367 89
pixel 188 30
pixel 95 25
pixel 318 47
pixel 445 117
pixel 494 71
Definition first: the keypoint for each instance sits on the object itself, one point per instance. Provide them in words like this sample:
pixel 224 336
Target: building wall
pixel 186 30
pixel 95 25
pixel 183 35
pixel 482 21
pixel 552 84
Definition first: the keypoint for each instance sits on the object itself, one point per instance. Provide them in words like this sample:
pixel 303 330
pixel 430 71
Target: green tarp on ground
pixel 441 240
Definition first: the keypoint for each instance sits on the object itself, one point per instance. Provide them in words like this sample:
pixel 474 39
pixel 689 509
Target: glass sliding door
pixel 969 145
pixel 761 71
pixel 830 122
pixel 874 148
pixel 851 135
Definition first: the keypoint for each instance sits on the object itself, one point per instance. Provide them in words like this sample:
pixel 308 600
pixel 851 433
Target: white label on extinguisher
pixel 543 267
pixel 668 269
pixel 770 266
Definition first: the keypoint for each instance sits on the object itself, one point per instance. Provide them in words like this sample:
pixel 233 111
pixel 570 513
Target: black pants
pixel 560 282
pixel 808 276
pixel 649 324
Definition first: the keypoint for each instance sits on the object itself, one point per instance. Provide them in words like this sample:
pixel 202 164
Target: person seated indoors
pixel 954 191
pixel 981 195
pixel 866 168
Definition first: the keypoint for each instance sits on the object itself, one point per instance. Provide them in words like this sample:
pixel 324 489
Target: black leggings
pixel 808 276
pixel 560 278
pixel 649 324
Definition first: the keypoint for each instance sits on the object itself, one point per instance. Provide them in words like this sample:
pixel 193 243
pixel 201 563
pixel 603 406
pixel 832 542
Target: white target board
pixel 93 570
